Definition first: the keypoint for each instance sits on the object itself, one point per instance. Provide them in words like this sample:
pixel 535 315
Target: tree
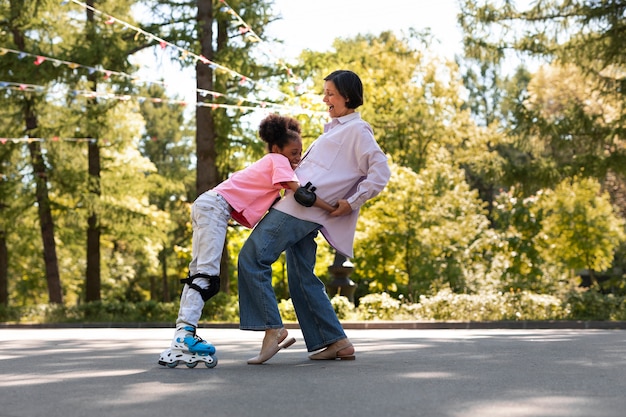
pixel 580 228
pixel 10 178
pixel 28 28
pixel 421 231
pixel 589 34
pixel 518 221
pixel 584 42
pixel 227 66
pixel 167 143
pixel 411 96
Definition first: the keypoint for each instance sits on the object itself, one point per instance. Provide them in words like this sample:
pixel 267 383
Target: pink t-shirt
pixel 251 191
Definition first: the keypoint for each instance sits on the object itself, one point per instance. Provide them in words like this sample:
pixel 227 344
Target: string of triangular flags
pixel 40 59
pixel 3 141
pixel 23 87
pixel 184 53
pixel 245 29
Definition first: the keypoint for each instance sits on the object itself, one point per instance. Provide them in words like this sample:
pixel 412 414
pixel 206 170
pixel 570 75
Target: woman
pixel 347 167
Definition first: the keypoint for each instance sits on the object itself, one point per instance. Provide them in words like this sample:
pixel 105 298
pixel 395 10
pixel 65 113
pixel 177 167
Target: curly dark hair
pixel 279 130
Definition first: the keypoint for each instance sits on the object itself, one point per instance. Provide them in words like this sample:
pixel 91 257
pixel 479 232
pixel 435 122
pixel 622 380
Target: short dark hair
pixel 349 85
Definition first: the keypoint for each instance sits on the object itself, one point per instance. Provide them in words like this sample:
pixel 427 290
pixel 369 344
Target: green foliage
pixel 342 306
pixel 443 306
pixel 412 97
pixel 592 305
pixel 447 306
pixel 580 228
pixel 93 312
pixel 586 33
pixel 221 308
pixel 287 312
pixel 421 231
pixel 519 223
pixel 378 306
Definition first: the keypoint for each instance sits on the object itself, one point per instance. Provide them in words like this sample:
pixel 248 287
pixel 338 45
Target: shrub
pixel 525 305
pixel 287 312
pixel 377 306
pixel 592 305
pixel 10 314
pixel 221 308
pixel 342 306
pixel 448 306
pixel 443 306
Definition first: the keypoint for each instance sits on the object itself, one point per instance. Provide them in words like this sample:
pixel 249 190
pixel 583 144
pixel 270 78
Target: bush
pixel 9 314
pixel 342 306
pixel 221 308
pixel 443 306
pixel 287 312
pixel 378 306
pixel 592 305
pixel 448 306
pixel 525 305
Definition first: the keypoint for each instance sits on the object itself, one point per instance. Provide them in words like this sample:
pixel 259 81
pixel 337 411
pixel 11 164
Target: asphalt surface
pixel 398 372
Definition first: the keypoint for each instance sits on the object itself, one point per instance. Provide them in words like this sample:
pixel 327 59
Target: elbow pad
pixel 305 195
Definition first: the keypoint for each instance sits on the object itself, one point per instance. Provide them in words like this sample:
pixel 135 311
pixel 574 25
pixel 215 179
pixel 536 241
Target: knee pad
pixel 205 293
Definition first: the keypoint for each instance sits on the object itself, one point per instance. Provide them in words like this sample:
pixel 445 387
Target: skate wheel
pixel 191 364
pixel 172 364
pixel 212 364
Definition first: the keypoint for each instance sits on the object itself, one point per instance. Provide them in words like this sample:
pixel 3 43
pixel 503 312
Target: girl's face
pixel 292 151
pixel 336 102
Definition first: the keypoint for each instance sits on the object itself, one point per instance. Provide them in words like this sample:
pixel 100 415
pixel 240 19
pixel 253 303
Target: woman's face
pixel 335 102
pixel 292 151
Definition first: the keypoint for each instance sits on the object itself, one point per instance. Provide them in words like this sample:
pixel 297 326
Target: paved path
pixel 449 373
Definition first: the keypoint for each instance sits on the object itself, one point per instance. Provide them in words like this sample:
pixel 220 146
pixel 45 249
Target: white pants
pixel 209 219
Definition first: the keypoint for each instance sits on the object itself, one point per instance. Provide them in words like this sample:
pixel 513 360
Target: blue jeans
pixel 258 309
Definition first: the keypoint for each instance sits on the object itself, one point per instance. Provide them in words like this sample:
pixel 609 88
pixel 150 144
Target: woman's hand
pixel 343 208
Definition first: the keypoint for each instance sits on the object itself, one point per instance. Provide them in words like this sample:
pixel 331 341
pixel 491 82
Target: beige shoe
pixel 273 341
pixel 341 349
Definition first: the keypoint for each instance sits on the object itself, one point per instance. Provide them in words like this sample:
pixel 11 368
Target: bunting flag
pixel 22 87
pixel 3 141
pixel 183 53
pixel 251 36
pixel 73 65
pixel 141 99
pixel 40 59
pixel 245 30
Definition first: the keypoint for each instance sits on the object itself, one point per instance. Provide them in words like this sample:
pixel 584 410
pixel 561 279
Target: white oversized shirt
pixel 345 162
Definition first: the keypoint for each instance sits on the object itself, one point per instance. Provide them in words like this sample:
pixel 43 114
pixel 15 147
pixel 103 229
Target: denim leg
pixel 258 308
pixel 316 316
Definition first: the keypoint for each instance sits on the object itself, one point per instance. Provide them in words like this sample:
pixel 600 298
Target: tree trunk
pixel 92 280
pixel 46 223
pixel 55 293
pixel 164 280
pixel 224 281
pixel 92 274
pixel 207 175
pixel 4 269
pixel 206 170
